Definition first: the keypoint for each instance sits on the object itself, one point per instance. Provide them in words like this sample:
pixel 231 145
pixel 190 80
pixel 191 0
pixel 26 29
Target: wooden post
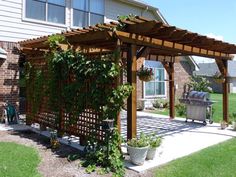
pixel 223 67
pixel 225 93
pixel 169 67
pixel 118 80
pixel 132 100
pixel 171 90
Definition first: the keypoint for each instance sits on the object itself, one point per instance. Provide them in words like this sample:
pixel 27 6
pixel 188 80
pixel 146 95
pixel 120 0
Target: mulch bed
pixel 54 163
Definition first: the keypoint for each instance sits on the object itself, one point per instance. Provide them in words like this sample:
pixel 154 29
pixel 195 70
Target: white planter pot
pixel 137 155
pixel 151 153
pixel 234 125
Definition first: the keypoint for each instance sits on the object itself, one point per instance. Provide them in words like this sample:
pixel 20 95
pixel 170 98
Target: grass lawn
pixel 215 161
pixel 18 160
pixel 218 110
pixel 218 115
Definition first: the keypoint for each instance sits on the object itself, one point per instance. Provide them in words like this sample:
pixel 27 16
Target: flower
pixel 145 72
pixel 218 75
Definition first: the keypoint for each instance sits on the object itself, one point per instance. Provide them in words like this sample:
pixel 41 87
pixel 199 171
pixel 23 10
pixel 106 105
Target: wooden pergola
pixel 141 37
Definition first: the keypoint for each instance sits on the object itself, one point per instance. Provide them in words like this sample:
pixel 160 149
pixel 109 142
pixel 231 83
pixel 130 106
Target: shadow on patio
pixel 161 125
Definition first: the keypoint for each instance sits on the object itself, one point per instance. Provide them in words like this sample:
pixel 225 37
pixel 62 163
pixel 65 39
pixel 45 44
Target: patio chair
pixel 10 115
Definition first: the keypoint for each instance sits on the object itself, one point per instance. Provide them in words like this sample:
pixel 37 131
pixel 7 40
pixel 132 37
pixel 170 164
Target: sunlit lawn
pixel 18 160
pixel 218 111
pixel 215 161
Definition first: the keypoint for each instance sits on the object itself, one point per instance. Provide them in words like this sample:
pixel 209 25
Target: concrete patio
pixel 179 138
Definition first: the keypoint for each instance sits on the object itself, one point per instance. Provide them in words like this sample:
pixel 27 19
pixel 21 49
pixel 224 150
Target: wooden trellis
pixel 165 42
pixel 87 122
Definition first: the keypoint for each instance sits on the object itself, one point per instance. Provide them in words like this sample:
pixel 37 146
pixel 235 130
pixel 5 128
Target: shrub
pixel 160 103
pixel 154 141
pixel 200 84
pixel 180 109
pixel 139 142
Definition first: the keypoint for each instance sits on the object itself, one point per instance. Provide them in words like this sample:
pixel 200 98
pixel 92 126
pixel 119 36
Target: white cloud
pixel 218 37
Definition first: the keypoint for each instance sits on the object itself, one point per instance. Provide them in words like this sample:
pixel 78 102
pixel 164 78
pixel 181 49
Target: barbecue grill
pixel 198 106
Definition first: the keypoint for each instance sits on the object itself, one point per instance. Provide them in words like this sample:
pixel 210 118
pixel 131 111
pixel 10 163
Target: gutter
pixel 196 66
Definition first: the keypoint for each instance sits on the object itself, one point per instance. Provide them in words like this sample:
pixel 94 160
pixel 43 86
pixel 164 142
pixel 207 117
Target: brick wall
pixel 9 75
pixel 183 71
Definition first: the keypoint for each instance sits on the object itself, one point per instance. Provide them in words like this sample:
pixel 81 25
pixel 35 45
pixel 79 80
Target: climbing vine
pixel 74 81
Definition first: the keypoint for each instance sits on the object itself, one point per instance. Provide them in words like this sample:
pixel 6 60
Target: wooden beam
pixel 132 100
pixel 167 45
pixel 143 52
pixel 169 67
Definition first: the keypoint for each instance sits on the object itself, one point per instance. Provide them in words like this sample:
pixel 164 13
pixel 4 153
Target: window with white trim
pixel 88 12
pixel 46 10
pixel 156 87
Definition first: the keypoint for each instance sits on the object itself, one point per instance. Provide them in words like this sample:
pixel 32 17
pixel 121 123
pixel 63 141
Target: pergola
pixel 141 37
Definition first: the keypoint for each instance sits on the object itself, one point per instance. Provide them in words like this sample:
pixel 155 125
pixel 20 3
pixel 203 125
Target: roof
pixel 209 69
pixel 163 39
pixel 141 3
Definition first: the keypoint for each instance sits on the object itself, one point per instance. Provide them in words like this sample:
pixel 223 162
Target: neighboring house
pixel 208 70
pixel 25 19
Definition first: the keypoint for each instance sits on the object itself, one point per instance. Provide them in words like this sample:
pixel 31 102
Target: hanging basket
pixel 146 78
pixel 219 80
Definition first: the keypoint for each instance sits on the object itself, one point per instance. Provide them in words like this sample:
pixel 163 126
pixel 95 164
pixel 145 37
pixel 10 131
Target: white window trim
pixel 3 54
pixel 72 15
pixel 156 96
pixel 41 22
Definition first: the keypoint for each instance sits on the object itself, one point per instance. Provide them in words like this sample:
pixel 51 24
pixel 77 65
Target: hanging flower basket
pixel 218 78
pixel 146 78
pixel 145 74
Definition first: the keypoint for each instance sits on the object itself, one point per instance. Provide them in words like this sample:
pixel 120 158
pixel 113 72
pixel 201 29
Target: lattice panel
pixel 82 125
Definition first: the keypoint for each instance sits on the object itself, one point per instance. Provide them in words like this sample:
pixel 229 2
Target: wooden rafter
pixel 163 44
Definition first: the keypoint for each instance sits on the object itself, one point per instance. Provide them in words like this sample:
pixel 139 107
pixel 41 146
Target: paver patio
pixel 179 138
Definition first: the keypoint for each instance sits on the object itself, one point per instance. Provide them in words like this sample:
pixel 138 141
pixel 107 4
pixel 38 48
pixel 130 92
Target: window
pixel 88 12
pixel 46 10
pixel 156 87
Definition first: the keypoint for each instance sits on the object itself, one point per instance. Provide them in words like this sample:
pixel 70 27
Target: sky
pixel 214 18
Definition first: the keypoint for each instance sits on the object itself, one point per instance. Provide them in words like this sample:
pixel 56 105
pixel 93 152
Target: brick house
pixel 25 19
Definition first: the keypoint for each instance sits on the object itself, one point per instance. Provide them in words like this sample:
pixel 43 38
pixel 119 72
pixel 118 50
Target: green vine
pixel 75 83
pixel 35 82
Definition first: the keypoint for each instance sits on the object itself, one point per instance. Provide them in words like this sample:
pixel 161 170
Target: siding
pixel 14 28
pixel 114 8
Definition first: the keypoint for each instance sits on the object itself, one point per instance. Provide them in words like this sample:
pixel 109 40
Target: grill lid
pixel 200 96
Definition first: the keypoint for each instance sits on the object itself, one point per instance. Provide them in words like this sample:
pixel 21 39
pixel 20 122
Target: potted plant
pixel 54 140
pixel 154 143
pixel 223 125
pixel 218 78
pixel 145 74
pixel 233 118
pixel 137 149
